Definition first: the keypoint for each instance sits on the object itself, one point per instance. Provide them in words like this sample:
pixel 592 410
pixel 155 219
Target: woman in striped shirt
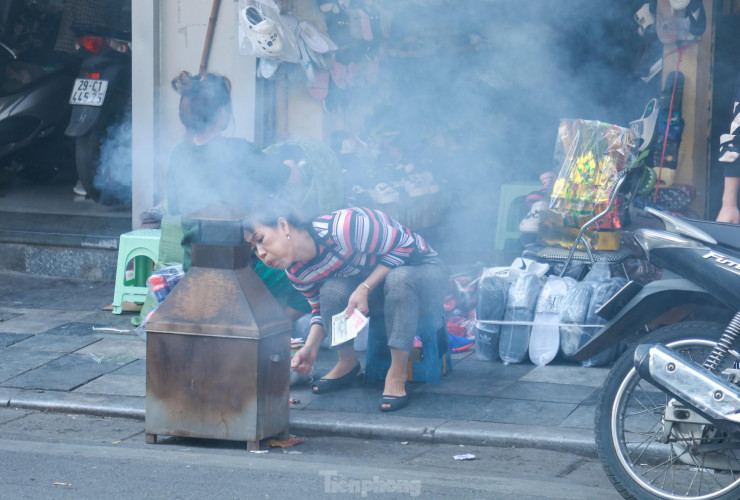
pixel 354 258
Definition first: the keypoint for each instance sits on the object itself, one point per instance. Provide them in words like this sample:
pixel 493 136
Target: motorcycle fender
pixel 653 300
pixel 82 120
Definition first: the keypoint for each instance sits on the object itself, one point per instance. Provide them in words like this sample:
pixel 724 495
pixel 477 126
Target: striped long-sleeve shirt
pixel 729 144
pixel 352 242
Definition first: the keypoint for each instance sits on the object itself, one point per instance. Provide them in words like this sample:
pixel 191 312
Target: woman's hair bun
pixel 184 82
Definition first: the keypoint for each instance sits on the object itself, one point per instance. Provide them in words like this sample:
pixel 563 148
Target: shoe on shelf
pixel 530 225
pixel 384 193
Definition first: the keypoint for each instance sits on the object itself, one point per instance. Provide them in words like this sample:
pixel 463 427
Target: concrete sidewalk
pixel 61 351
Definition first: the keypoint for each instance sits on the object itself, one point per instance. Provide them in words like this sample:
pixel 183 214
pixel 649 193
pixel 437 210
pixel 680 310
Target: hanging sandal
pixel 394 402
pixel 324 385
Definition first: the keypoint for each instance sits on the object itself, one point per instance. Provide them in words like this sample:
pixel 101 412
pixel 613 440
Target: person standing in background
pixel 729 156
pixel 95 12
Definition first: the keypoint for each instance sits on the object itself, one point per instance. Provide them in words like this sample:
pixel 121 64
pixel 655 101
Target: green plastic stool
pixel 510 206
pixel 142 245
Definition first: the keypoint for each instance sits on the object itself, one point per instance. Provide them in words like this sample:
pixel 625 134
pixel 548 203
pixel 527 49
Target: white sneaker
pixel 79 189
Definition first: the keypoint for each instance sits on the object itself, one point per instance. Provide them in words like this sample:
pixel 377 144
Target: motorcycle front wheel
pixel 647 457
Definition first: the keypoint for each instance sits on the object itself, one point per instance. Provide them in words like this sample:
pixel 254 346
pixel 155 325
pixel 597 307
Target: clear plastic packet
pixel 492 293
pixel 141 329
pixel 518 313
pixel 573 313
pixel 544 340
pixel 161 282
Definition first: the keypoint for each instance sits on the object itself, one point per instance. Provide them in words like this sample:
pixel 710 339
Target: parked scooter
pixel 101 113
pixel 668 416
pixel 34 86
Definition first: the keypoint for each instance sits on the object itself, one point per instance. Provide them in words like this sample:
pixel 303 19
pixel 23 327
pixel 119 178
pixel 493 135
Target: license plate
pixel 88 92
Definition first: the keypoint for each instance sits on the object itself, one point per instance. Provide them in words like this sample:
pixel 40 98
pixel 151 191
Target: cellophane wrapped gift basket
pixel 591 154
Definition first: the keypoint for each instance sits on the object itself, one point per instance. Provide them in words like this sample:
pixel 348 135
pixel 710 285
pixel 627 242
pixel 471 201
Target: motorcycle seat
pixel 726 234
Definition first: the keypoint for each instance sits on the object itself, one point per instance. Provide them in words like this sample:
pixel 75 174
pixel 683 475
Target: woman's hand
pixel 729 214
pixel 303 360
pixel 358 300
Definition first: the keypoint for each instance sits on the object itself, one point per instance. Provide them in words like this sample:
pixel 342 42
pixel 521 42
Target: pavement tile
pixel 51 343
pixel 118 348
pixel 582 418
pixel 107 318
pixel 13 364
pixel 355 400
pixel 477 378
pixel 37 321
pixel 5 316
pixel 24 290
pixel 567 374
pixel 456 383
pixel 7 339
pixel 63 374
pixel 114 384
pixel 303 394
pixel 512 411
pixel 446 406
pixel 137 368
pixel 556 393
pixel 74 328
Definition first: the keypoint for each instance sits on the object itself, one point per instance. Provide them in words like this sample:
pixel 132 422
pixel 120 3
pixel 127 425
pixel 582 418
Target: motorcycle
pixel 101 113
pixel 667 422
pixel 34 83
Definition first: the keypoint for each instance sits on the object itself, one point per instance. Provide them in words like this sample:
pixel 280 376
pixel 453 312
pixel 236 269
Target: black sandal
pixel 394 402
pixel 324 385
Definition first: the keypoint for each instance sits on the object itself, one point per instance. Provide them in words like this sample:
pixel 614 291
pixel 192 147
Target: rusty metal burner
pixel 218 347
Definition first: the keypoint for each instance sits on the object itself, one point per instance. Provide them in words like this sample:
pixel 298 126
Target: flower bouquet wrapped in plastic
pixel 591 154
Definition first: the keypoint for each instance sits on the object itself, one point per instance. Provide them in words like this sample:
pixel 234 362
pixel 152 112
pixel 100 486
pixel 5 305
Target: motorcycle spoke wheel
pixel 647 457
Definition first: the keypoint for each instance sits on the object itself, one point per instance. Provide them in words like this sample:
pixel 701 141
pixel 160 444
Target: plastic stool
pixel 510 206
pixel 134 245
pixel 435 352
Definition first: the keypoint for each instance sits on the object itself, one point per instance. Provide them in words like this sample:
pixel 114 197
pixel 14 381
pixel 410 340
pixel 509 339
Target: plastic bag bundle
pixel 603 291
pixel 492 293
pixel 161 282
pixel 573 313
pixel 544 340
pixel 520 305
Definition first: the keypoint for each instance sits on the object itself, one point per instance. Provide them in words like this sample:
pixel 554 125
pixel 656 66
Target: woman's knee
pixel 335 292
pixel 399 280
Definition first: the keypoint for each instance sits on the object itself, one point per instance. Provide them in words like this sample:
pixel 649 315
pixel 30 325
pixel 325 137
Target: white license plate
pixel 88 92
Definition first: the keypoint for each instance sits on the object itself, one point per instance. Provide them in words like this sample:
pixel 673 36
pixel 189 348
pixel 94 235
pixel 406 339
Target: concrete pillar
pixel 145 77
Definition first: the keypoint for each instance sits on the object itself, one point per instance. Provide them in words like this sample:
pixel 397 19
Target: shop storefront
pixel 429 106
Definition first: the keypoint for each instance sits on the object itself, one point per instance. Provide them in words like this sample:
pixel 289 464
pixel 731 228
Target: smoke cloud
pixel 113 178
pixel 472 91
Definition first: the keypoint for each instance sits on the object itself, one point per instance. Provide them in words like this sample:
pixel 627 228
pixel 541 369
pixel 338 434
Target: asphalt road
pixel 46 455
